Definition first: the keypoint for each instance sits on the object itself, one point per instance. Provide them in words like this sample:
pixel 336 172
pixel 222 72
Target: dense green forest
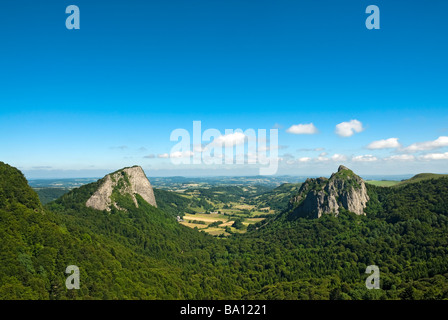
pixel 143 253
pixel 47 195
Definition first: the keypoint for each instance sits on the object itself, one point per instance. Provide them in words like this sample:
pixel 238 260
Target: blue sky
pixel 85 102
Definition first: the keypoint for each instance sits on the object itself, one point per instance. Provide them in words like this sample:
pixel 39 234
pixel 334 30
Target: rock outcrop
pixel 129 181
pixel 321 196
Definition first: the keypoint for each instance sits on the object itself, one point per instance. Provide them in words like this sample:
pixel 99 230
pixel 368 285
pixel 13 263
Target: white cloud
pixel 309 149
pixel 287 156
pixel 364 158
pixel 323 154
pixel 163 155
pixel 338 157
pixel 440 142
pixel 401 157
pixel 384 144
pixel 177 154
pixel 304 159
pixel 322 159
pixel 435 156
pixel 273 147
pixel 199 148
pixel 120 147
pixel 347 129
pixel 181 154
pixel 251 157
pixel 302 129
pixel 231 139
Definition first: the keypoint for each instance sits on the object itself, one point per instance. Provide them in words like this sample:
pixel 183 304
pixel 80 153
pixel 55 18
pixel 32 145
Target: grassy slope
pixel 421 177
pixel 417 178
pixel 383 183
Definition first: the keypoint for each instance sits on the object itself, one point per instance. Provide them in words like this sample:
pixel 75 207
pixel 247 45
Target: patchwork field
pixel 223 210
pixel 218 224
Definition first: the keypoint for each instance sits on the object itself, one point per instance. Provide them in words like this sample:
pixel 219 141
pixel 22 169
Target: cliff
pixel 127 181
pixel 343 189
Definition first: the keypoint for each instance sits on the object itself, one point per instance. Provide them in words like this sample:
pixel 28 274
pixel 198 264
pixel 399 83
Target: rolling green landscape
pixel 231 209
pixel 416 178
pixel 217 210
pixel 206 155
pixel 253 245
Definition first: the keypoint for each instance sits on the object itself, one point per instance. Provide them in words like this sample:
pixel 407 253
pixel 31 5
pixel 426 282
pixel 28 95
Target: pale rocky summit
pixel 129 181
pixel 321 196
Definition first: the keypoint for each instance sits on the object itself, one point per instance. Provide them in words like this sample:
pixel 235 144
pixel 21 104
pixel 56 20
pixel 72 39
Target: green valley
pixel 137 250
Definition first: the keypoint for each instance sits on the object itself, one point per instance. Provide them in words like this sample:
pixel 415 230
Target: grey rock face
pixel 321 196
pixel 130 181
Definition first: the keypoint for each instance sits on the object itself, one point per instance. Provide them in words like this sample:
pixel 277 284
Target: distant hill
pixel 417 178
pixel 421 177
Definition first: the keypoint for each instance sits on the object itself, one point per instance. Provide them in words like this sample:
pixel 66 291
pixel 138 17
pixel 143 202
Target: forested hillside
pixel 132 256
pixel 47 195
pixel 144 253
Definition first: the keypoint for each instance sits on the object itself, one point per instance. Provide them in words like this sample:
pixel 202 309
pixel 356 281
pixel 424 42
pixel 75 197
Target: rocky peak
pixel 321 196
pixel 130 181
